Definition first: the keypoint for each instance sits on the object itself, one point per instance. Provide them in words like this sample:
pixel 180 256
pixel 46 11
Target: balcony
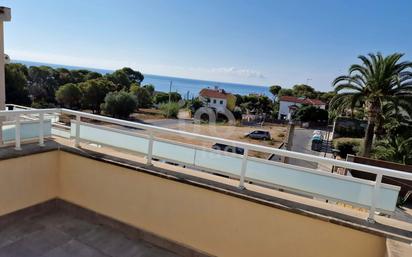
pixel 184 198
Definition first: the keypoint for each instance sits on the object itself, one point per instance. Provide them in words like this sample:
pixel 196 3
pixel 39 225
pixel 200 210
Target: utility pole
pixel 5 15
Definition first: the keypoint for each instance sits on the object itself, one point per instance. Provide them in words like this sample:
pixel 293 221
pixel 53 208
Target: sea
pixel 188 88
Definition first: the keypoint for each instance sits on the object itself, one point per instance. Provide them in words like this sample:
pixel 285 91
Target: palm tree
pixel 395 149
pixel 378 80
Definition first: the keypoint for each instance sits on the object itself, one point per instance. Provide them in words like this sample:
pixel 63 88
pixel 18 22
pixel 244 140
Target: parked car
pixel 259 134
pixel 228 148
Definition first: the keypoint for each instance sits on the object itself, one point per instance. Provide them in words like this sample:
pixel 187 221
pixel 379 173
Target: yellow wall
pixel 213 222
pixel 27 181
pixel 209 221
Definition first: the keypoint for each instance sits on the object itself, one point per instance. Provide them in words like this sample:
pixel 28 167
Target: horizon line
pixel 150 74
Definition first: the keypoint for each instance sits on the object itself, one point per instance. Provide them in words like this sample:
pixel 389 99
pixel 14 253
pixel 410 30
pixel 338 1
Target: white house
pixel 289 104
pixel 214 98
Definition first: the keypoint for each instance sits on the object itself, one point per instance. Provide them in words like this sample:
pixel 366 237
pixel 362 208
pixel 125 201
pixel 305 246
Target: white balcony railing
pixel 374 195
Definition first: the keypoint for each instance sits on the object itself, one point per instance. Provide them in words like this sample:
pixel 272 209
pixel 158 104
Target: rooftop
pixel 299 100
pixel 214 93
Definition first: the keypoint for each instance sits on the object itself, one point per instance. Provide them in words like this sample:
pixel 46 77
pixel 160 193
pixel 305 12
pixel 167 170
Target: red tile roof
pixel 307 101
pixel 214 93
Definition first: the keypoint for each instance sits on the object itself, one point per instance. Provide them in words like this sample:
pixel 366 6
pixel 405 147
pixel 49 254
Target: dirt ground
pixel 147 115
pixel 228 132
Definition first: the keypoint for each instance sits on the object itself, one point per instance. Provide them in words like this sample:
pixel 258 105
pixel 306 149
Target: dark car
pixel 259 134
pixel 228 148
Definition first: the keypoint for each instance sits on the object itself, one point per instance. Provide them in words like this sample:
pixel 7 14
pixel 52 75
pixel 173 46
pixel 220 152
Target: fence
pixel 374 195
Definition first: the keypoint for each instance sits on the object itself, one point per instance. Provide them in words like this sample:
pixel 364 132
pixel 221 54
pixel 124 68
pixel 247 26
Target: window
pixel 221 102
pixel 214 101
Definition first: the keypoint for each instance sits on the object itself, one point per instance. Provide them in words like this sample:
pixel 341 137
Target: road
pixel 302 140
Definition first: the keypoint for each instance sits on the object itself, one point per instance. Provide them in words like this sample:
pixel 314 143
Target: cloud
pixel 240 72
pixel 228 72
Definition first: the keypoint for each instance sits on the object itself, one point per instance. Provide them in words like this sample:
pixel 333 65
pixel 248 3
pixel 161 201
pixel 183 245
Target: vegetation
pixel 124 78
pixel 195 105
pixel 170 110
pixel 119 104
pixel 310 113
pixel 93 93
pixel 162 97
pixel 379 80
pixel 274 90
pixel 69 95
pixel 347 146
pixel 143 94
pixel 17 90
pixel 349 127
pixel 394 149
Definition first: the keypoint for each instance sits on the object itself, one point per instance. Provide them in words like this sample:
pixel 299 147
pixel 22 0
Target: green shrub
pixel 347 146
pixel 170 110
pixel 162 97
pixel 119 104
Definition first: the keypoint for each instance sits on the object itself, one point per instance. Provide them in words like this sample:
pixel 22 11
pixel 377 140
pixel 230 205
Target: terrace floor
pixel 60 234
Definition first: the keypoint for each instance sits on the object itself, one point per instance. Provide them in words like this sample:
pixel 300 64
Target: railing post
pixel 18 133
pixel 375 196
pixel 243 169
pixel 150 148
pixel 77 137
pixel 41 129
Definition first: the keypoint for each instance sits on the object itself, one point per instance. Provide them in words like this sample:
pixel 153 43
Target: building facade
pixel 214 98
pixel 289 104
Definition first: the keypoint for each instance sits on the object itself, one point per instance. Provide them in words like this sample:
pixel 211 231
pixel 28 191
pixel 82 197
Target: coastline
pixel 187 87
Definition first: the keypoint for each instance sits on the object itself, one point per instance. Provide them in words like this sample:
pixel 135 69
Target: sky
pixel 243 41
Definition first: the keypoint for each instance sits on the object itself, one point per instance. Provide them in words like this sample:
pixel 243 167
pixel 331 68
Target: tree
pixel 42 83
pixel 133 76
pixel 302 90
pixel 93 93
pixel 92 75
pixel 257 104
pixel 69 95
pixel 63 76
pixel 120 104
pixel 325 97
pixel 79 76
pixel 377 80
pixel 274 90
pixel 394 149
pixel 17 91
pixel 120 80
pixel 231 102
pixel 239 99
pixel 195 105
pixel 310 113
pixel 150 88
pixel 162 97
pixel 285 92
pixel 124 78
pixel 143 96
